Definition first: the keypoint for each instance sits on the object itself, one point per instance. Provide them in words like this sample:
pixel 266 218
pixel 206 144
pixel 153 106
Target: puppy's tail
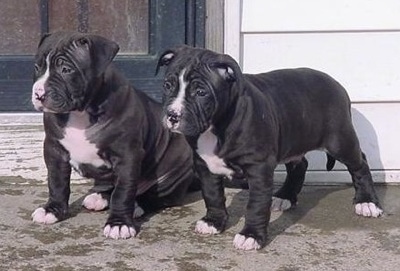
pixel 330 163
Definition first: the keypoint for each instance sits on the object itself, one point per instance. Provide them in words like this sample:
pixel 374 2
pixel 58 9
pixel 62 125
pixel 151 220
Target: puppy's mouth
pixel 47 110
pixel 38 106
pixel 43 104
pixel 42 108
pixel 172 126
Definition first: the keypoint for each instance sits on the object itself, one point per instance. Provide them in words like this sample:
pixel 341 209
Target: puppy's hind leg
pixel 99 195
pixel 346 149
pixel 366 201
pixel 286 196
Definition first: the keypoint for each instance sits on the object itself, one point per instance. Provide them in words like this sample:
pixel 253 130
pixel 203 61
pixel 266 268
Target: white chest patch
pixel 81 150
pixel 206 146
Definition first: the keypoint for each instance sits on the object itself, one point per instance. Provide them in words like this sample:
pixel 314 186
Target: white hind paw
pixel 138 211
pixel 202 227
pixel 95 202
pixel 368 209
pixel 279 204
pixel 245 243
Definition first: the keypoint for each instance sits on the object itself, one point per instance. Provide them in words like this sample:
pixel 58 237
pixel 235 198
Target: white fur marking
pixel 168 56
pixel 95 202
pixel 41 216
pixel 206 146
pixel 38 86
pixel 279 204
pixel 203 228
pixel 76 143
pixel 119 232
pixel 225 72
pixel 177 105
pixel 368 209
pixel 243 243
pixel 138 211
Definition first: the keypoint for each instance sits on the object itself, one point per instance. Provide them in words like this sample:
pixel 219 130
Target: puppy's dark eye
pixel 200 92
pixel 167 86
pixel 37 68
pixel 66 70
pixel 63 66
pixel 83 41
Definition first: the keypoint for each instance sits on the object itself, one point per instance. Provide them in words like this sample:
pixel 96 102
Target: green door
pixel 142 28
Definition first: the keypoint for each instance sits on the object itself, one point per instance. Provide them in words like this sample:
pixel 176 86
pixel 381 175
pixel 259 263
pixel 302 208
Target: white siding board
pixel 367 64
pixel 320 15
pixel 232 41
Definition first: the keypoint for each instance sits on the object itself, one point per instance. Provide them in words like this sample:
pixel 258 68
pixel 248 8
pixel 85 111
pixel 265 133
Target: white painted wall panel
pixel 319 15
pixel 232 14
pixel 367 64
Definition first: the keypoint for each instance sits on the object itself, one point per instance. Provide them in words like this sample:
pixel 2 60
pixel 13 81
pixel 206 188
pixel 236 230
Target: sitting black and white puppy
pixel 96 123
pixel 248 124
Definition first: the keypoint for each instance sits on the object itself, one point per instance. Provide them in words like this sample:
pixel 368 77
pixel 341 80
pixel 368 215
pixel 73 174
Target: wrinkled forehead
pixel 61 44
pixel 190 63
pixel 182 62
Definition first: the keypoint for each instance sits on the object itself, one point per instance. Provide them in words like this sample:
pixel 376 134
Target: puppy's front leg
pixel 254 233
pixel 58 181
pixel 214 197
pixel 120 224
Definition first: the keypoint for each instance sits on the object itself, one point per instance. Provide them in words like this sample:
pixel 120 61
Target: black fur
pixel 261 120
pixel 124 126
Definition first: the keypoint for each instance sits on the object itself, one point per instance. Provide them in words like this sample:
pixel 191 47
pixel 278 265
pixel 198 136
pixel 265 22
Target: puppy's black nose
pixel 39 97
pixel 173 117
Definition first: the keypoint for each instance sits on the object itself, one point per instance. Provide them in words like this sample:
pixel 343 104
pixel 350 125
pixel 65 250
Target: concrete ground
pixel 321 233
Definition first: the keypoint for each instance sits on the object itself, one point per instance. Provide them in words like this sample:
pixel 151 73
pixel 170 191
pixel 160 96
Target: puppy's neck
pixel 79 120
pixel 228 106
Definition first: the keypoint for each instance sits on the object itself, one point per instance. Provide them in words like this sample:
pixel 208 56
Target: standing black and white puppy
pixel 98 124
pixel 248 124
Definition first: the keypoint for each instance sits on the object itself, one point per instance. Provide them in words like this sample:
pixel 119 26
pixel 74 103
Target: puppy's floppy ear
pixel 102 51
pixel 227 68
pixel 43 38
pixel 225 71
pixel 165 59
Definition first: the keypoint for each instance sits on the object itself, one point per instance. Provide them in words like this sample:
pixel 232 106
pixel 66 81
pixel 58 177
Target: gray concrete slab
pixel 321 233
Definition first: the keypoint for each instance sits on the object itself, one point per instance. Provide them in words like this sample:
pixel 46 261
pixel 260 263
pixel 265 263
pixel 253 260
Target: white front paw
pixel 243 243
pixel 95 202
pixel 279 204
pixel 41 216
pixel 119 232
pixel 203 228
pixel 368 209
